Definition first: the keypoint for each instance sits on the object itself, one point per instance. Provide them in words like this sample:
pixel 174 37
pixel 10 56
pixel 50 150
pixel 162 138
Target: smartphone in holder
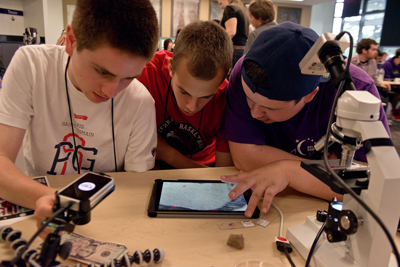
pixel 197 199
pixel 90 189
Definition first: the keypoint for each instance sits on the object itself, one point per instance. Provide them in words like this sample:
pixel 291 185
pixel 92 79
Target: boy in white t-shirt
pixel 80 107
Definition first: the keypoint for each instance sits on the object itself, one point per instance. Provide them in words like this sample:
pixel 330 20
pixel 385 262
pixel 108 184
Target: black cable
pixel 338 179
pixel 70 117
pixel 44 225
pixel 72 126
pixel 288 257
pixel 314 244
pixel 112 126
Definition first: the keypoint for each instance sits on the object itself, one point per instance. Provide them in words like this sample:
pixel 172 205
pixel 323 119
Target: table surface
pixel 122 218
pixel 391 82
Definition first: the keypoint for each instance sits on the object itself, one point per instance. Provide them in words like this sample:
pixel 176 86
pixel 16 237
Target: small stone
pixel 236 241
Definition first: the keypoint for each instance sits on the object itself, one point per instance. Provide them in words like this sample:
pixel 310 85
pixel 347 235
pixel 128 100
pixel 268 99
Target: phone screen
pixel 198 196
pixel 86 186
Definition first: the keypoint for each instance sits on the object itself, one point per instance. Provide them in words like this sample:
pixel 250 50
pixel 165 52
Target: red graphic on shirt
pixel 66 150
pixel 81 117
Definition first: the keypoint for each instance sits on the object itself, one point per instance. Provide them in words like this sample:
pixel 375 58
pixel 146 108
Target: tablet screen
pixel 199 197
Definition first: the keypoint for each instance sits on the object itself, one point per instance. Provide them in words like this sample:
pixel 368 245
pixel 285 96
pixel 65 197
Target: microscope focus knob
pixel 335 236
pixel 348 222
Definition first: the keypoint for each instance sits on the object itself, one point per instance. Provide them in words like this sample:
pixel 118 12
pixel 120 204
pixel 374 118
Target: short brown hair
pixel 130 26
pixel 207 48
pixel 365 44
pixel 262 9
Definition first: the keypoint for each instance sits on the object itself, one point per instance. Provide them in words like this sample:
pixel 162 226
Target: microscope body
pixel 357 117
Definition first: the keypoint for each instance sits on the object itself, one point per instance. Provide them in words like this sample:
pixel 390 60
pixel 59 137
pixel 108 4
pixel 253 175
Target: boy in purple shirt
pixel 275 115
pixel 392 70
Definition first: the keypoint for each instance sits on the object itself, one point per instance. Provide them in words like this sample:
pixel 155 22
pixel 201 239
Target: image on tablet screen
pixel 199 197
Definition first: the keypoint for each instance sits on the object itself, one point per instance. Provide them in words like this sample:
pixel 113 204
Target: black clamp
pixel 369 143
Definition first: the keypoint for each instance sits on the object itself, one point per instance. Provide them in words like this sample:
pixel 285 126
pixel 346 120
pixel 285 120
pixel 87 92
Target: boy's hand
pixel 266 182
pixel 44 209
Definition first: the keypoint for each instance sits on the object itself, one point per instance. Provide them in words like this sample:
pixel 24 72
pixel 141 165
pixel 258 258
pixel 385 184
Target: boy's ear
pixel 311 95
pixel 170 66
pixel 70 40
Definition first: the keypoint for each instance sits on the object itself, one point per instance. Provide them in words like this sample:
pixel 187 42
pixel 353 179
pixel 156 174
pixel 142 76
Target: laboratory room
pixel 199 133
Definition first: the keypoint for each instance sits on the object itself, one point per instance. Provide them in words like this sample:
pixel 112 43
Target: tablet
pixel 197 198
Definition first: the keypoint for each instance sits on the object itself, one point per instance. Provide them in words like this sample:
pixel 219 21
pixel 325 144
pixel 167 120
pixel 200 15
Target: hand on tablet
pixel 265 182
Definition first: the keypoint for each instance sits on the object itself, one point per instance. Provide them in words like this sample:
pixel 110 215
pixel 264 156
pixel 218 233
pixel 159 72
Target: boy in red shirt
pixel 188 87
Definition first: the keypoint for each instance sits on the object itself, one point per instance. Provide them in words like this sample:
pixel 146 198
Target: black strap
pixel 343 76
pixel 369 143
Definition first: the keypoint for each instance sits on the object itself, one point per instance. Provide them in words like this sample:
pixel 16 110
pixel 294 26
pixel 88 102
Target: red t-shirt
pixel 196 136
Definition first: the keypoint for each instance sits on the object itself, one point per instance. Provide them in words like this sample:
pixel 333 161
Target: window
pixel 374 5
pixel 372 27
pixel 337 20
pixel 368 24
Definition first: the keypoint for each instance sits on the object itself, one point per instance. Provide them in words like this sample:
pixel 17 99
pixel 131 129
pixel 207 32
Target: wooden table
pixel 395 86
pixel 122 218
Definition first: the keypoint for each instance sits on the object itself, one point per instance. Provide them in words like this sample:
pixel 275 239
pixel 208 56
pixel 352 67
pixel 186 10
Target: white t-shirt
pixel 34 98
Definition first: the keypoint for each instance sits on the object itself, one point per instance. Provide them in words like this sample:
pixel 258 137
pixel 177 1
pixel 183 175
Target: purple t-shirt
pixel 298 134
pixel 391 69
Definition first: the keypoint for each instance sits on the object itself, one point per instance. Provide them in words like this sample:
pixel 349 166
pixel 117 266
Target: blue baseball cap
pixel 279 50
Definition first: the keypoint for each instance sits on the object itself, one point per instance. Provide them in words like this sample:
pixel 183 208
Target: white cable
pixel 280 213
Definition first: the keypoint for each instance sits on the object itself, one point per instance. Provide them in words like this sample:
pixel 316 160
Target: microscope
pixel 353 236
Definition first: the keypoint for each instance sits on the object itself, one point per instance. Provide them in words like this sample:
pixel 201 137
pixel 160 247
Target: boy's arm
pixel 173 157
pixel 223 155
pixel 15 186
pixel 248 157
pixel 223 159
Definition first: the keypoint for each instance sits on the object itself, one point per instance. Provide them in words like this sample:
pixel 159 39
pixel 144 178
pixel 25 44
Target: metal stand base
pixel 325 254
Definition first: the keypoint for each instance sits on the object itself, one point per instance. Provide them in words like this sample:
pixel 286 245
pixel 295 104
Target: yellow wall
pixel 166 19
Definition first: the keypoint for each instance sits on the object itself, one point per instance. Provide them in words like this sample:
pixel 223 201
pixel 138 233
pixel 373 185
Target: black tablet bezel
pixel 153 211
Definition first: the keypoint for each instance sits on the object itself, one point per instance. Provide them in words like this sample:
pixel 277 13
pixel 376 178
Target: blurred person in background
pixel 392 70
pixel 262 14
pixel 168 45
pixel 236 22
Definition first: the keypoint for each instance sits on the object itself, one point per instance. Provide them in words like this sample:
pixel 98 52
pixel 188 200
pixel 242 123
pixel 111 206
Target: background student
pixel 236 22
pixel 275 115
pixel 367 50
pixel 188 87
pixel 262 14
pixel 392 70
pixel 79 105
